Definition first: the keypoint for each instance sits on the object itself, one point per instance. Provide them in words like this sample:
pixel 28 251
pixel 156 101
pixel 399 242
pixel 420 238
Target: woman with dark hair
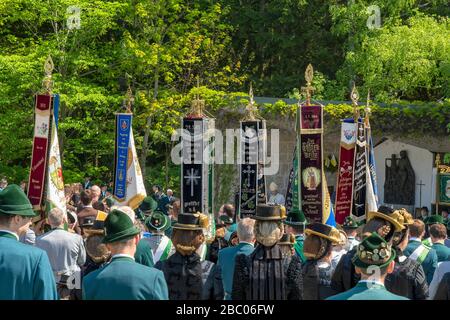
pixel 187 277
pixel 318 268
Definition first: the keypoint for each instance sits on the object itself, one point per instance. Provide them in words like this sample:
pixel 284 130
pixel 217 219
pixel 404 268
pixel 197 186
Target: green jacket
pixel 429 264
pixel 298 247
pixel 124 279
pixel 226 262
pixel 442 251
pixel 367 291
pixel 144 254
pixel 25 271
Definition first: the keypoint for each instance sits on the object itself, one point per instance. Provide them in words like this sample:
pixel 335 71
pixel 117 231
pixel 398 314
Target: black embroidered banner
pixel 249 168
pixel 359 175
pixel 311 164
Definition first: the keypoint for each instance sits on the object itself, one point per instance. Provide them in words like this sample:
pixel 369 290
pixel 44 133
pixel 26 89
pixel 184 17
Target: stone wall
pixel 286 125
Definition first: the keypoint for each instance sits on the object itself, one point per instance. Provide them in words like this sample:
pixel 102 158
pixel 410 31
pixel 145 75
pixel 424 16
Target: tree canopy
pixel 161 49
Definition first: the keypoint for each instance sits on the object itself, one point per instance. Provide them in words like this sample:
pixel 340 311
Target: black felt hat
pixel 267 212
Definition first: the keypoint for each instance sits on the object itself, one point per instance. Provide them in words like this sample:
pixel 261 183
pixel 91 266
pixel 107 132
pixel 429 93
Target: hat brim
pixel 267 218
pixel 373 214
pixel 23 213
pixel 92 232
pixel 123 235
pixel 180 226
pixel 332 239
pixel 295 223
pixel 364 265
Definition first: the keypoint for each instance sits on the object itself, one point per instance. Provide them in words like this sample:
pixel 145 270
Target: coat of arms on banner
pixel 55 172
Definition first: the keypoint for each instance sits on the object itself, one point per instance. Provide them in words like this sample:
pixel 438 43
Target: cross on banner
pixel 192 179
pixel 248 172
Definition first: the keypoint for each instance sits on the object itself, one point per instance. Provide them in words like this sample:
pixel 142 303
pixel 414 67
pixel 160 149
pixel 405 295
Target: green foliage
pixel 162 48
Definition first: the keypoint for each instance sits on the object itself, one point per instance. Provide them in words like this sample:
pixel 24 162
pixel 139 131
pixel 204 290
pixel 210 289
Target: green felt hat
pixel 148 204
pixel 350 223
pixel 373 251
pixel 226 220
pixel 13 201
pixel 139 214
pixel 296 218
pixel 434 219
pixel 119 226
pixel 157 221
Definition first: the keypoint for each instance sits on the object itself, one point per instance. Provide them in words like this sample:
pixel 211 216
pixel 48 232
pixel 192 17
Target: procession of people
pixel 277 255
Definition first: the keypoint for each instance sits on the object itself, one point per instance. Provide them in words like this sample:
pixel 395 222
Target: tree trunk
pixel 145 144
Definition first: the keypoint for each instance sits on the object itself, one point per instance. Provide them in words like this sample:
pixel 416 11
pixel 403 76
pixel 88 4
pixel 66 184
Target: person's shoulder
pixel 227 251
pixel 391 296
pixel 26 250
pixel 340 296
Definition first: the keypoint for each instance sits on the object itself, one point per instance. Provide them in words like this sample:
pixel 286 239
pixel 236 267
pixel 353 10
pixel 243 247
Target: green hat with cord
pixel 119 226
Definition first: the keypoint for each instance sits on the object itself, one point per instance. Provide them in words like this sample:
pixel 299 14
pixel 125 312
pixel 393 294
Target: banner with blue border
pixel 123 130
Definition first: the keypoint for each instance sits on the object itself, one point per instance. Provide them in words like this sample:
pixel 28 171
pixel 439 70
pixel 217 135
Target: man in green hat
pixel 123 278
pixel 385 222
pixel 295 225
pixel 154 245
pixel 374 260
pixel 25 271
pixel 350 227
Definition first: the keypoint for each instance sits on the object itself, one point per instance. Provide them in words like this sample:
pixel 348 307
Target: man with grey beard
pixel 264 275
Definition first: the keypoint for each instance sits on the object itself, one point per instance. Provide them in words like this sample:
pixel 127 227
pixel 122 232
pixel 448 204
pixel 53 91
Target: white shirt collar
pixel 247 243
pixel 415 239
pixel 10 232
pixel 372 282
pixel 122 255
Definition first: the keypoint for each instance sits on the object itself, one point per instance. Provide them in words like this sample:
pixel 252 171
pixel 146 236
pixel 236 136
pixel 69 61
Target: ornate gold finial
pixel 47 83
pixel 130 99
pixel 197 104
pixel 309 89
pixel 250 109
pixel 438 161
pixel 355 97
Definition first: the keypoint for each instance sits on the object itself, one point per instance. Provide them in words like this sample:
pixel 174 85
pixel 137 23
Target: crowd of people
pixel 98 250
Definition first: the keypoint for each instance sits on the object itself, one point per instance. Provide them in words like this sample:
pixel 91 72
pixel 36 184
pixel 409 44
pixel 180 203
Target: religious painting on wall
pixel 399 185
pixel 444 189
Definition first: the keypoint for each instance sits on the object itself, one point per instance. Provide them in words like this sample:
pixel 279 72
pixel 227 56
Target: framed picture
pixel 444 188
